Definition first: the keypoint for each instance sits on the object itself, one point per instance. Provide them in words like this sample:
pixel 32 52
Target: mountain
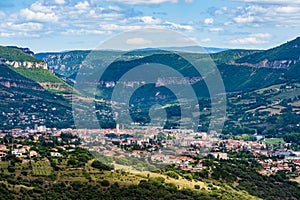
pixel 190 49
pixel 22 61
pixel 64 63
pixel 241 70
pixel 283 56
pixel 68 63
pixel 28 92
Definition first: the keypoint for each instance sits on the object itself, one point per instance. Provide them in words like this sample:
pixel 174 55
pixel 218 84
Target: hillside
pixel 241 70
pixel 28 92
pixel 282 56
pixel 21 60
pixel 17 55
pixel 77 174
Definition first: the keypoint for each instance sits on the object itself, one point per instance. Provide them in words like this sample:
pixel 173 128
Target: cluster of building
pixel 183 148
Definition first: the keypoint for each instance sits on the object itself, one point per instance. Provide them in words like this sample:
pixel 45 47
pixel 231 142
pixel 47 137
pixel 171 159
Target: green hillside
pixel 293 74
pixel 287 51
pixel 231 55
pixel 38 75
pixel 19 94
pixel 12 54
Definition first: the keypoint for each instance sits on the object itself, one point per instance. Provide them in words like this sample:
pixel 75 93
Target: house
pixel 138 141
pixel 16 153
pixel 2 154
pixel 220 155
pixel 3 148
pixel 33 153
pixel 55 154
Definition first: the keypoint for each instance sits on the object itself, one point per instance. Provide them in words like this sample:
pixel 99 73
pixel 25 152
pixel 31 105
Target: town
pixel 185 149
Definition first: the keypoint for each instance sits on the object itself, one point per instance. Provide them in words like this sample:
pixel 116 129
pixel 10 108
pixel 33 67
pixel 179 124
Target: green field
pixel 41 168
pixel 274 140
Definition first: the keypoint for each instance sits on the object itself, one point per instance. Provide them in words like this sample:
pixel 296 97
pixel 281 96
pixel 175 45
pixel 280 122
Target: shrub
pixel 197 187
pixel 105 183
pixel 172 174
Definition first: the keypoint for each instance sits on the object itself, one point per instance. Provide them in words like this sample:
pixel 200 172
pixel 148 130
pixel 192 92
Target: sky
pixel 59 25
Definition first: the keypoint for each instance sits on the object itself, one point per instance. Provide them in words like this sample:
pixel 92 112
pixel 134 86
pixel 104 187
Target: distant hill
pixel 192 49
pixel 282 56
pixel 241 70
pixel 21 60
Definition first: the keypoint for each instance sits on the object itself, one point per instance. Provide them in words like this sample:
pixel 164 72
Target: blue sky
pixel 58 25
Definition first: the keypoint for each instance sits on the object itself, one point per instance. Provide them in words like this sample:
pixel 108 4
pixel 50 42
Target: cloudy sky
pixel 58 25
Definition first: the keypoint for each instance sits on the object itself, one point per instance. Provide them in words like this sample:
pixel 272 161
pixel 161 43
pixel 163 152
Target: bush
pixel 197 187
pixel 105 183
pixel 99 165
pixel 172 174
pixel 11 169
pixel 188 177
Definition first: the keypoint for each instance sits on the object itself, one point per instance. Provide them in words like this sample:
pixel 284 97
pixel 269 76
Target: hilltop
pixel 283 56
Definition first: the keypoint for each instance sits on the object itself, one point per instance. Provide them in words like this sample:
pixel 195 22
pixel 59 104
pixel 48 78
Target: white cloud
pixel 82 5
pixel 221 11
pixel 38 16
pixel 179 26
pixel 133 2
pixel 258 38
pixel 267 15
pixel 244 19
pixel 30 26
pixel 150 20
pixel 39 7
pixel 247 40
pixel 209 21
pixel 19 34
pixel 273 1
pixel 288 9
pixel 116 27
pixel 216 29
pixel 138 41
pixel 261 35
pixel 60 1
pixel 84 32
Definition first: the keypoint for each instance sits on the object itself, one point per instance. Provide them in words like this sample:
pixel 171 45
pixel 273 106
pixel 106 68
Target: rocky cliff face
pixel 276 64
pixel 25 64
pixel 11 79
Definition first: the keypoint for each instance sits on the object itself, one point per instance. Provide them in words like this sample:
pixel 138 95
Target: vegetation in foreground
pixel 78 175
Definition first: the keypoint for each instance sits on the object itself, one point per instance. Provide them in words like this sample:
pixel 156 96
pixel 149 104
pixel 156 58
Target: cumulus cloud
pixel 144 1
pixel 150 20
pixel 273 1
pixel 138 41
pixel 243 19
pixel 209 21
pixel 60 1
pixel 30 26
pixel 258 38
pixel 82 5
pixel 179 26
pixel 216 29
pixel 83 32
pixel 38 16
